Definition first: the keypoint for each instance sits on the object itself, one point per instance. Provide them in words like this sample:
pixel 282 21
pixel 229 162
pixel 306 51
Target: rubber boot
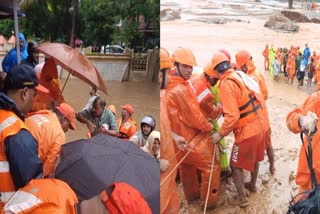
pixel 189 180
pixel 214 187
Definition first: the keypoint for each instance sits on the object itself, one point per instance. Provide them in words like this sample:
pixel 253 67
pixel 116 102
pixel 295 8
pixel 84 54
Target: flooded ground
pixel 141 94
pixel 274 192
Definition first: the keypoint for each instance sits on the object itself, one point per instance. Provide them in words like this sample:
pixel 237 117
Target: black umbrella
pixel 91 165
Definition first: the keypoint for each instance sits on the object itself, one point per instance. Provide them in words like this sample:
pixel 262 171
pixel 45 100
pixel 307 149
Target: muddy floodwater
pixel 143 95
pixel 274 192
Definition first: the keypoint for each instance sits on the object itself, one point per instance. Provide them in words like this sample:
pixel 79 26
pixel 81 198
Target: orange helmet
pixel 184 56
pixel 242 58
pixel 165 59
pixel 128 107
pixel 218 58
pixel 226 53
pixel 208 69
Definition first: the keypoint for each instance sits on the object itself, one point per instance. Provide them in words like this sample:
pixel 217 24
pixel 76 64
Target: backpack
pixel 309 202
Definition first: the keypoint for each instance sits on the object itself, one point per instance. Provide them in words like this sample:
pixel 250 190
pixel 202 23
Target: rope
pixel 182 159
pixel 210 178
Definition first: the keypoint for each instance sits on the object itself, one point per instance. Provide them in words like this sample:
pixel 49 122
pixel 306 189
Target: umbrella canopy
pixel 74 62
pixel 91 165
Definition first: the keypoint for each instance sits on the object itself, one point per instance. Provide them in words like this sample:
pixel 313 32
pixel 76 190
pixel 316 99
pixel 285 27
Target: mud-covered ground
pixel 274 192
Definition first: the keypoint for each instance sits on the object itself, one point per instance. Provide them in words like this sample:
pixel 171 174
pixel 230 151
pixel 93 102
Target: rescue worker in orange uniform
pixel 265 54
pixel 243 115
pixel 187 120
pixel 201 83
pixel 126 124
pixel 118 198
pixel 291 65
pixel 19 161
pixel 317 74
pixel 43 196
pixel 49 79
pixel 49 128
pixel 305 118
pixel 169 200
pixel 246 65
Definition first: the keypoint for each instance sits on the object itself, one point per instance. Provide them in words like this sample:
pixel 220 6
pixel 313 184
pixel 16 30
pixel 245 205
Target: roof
pixel 6 9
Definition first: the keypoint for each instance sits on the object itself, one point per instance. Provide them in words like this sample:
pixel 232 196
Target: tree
pixel 290 3
pixel 98 21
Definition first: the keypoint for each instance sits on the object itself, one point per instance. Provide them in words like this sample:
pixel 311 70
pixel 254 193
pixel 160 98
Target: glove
pixel 308 123
pixel 164 165
pixel 180 141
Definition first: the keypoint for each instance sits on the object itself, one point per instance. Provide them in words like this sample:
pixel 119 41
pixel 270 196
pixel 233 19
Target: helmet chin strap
pixel 180 72
pixel 163 78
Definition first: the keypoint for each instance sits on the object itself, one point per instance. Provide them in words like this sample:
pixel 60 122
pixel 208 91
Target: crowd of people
pixel 189 107
pixel 34 117
pixel 292 62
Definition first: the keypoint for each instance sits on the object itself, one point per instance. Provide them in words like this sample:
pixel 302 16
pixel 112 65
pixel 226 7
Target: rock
pixel 281 23
pixel 295 16
pixel 291 176
pixel 169 15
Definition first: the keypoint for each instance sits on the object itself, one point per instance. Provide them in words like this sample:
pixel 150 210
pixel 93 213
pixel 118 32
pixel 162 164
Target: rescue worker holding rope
pixel 187 120
pixel 243 115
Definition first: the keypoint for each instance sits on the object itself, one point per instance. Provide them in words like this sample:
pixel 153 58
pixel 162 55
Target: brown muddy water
pixel 143 95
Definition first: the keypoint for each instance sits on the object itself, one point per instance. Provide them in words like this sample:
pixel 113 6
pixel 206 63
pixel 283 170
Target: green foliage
pixel 6 27
pixel 99 22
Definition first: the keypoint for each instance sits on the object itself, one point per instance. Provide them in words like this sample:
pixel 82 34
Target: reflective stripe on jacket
pixel 43 196
pixel 127 129
pixel 10 124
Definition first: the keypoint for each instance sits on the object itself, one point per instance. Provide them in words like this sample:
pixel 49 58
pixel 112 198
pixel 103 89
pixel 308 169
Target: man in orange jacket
pixel 43 196
pixel 126 124
pixel 49 128
pixel 19 161
pixel 49 79
pixel 265 54
pixel 246 65
pixel 118 198
pixel 291 64
pixel 242 115
pixel 187 120
pixel 169 201
pixel 305 119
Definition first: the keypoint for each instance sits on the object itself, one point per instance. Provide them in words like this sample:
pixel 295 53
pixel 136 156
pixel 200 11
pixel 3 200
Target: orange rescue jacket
pixel 45 127
pixel 241 107
pixel 43 196
pixel 312 103
pixel 10 124
pixel 205 96
pixel 127 129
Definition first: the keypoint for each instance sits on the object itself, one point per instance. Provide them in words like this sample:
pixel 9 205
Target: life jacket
pixel 201 89
pixel 249 103
pixel 127 129
pixel 43 196
pixel 10 124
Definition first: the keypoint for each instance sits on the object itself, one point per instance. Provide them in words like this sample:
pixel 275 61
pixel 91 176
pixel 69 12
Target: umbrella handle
pixel 182 159
pixel 64 85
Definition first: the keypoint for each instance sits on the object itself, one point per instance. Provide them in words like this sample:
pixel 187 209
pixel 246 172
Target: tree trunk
pixel 74 21
pixel 290 2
